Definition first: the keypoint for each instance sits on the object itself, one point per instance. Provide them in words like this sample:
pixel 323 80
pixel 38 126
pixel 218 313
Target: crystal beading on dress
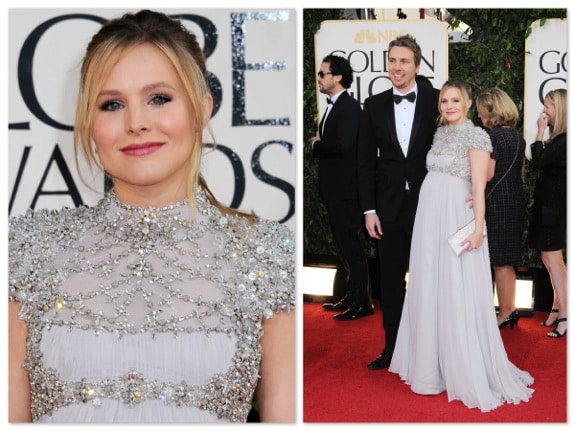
pixel 133 272
pixel 450 150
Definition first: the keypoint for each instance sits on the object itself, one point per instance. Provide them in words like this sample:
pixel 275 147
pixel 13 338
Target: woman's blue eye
pixel 110 105
pixel 160 99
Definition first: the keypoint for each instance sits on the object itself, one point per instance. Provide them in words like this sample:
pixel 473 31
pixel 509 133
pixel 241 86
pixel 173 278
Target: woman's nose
pixel 136 121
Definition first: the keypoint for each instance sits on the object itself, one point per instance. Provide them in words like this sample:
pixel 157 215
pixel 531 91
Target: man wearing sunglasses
pixel 335 147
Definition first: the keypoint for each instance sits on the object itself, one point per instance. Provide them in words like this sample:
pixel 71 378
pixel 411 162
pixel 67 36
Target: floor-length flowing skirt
pixel 448 337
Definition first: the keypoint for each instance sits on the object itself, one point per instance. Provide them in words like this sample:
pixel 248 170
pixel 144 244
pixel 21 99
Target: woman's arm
pixel 19 385
pixel 276 389
pixel 479 160
pixel 552 157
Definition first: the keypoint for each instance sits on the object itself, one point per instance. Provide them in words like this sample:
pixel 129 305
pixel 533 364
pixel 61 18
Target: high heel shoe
pixel 511 320
pixel 554 323
pixel 555 333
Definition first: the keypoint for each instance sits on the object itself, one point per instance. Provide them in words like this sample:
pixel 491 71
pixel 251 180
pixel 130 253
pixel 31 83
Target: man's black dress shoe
pixel 341 305
pixel 355 312
pixel 381 362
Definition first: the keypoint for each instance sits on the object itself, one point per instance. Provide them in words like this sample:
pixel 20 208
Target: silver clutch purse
pixel 462 233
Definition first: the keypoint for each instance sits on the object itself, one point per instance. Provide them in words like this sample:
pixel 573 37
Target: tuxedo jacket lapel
pixel 420 108
pixel 389 111
pixel 326 122
pixel 321 124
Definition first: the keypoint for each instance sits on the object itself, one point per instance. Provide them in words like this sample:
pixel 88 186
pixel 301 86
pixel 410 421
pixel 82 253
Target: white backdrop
pixel 365 45
pixel 251 55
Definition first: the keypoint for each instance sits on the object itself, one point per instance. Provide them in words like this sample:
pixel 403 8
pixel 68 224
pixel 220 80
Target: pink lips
pixel 142 149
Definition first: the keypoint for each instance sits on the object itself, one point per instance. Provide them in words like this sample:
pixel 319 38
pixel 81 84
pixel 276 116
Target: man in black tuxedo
pixel 335 146
pixel 396 132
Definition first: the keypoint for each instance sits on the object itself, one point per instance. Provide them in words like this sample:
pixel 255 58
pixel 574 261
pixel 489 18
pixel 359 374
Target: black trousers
pixel 346 221
pixel 393 248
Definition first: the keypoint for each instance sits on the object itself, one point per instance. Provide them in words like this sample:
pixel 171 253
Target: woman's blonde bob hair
pixel 497 108
pixel 180 47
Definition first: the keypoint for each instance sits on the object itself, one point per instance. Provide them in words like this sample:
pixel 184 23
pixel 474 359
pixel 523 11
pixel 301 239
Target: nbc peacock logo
pixel 365 36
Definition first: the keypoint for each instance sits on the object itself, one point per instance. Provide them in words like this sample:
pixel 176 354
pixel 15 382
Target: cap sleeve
pixel 28 249
pixel 480 141
pixel 270 269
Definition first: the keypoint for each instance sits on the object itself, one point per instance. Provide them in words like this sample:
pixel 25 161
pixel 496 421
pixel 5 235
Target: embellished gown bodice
pixel 450 150
pixel 139 315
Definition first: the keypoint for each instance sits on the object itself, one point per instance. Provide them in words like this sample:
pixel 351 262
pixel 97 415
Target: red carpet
pixel 338 387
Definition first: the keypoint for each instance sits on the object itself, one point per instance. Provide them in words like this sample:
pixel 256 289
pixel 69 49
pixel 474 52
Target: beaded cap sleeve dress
pixel 448 338
pixel 136 315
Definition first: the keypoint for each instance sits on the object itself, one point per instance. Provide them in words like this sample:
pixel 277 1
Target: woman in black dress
pixel 505 204
pixel 548 229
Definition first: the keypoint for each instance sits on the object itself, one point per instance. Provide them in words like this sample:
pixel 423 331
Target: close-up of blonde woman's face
pixel 143 124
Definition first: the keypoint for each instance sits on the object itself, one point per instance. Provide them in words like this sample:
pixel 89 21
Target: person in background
pixel 548 227
pixel 505 204
pixel 335 147
pixel 423 81
pixel 448 338
pixel 158 304
pixel 395 134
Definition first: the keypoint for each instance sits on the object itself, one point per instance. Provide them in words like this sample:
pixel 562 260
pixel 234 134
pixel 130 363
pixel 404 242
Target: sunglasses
pixel 321 73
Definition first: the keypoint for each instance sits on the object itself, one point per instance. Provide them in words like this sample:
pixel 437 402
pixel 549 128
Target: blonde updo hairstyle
pixel 465 91
pixel 180 47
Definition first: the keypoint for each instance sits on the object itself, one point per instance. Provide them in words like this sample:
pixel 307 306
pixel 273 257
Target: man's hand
pixel 313 139
pixel 373 225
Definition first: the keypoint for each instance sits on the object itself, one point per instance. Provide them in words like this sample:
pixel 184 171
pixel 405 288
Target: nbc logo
pixel 365 36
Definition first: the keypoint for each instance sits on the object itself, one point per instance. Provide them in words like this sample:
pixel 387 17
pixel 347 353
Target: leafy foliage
pixel 318 238
pixel 495 57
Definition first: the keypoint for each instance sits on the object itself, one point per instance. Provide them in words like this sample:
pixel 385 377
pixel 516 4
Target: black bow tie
pixel 329 102
pixel 409 96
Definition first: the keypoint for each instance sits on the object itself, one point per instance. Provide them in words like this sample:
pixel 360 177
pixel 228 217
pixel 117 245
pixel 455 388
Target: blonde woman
pixel 505 202
pixel 548 228
pixel 158 304
pixel 448 339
